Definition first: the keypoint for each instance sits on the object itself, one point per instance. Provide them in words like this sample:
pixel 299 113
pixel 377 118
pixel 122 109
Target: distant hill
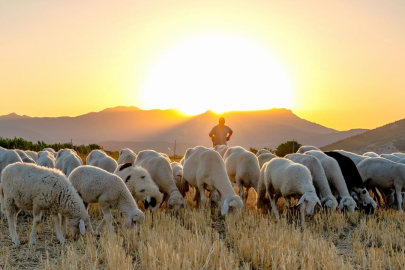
pixel 158 129
pixel 386 139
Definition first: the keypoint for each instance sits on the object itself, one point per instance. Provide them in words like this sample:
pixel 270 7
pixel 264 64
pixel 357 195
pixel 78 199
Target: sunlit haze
pixel 336 63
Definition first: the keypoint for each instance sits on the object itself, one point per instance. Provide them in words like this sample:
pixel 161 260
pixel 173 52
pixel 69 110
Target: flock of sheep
pixel 59 184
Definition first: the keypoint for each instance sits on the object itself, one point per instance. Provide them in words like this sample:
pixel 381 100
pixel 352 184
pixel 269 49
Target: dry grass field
pixel 193 239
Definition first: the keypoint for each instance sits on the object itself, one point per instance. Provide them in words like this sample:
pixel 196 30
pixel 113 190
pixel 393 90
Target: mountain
pixel 119 127
pixel 386 139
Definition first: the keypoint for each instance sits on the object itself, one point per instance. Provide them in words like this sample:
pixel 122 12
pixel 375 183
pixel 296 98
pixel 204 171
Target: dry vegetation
pixel 192 239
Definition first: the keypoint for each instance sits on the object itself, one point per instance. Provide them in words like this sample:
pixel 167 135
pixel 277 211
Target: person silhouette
pixel 220 133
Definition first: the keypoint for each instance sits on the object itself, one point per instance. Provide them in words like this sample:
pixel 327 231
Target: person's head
pixel 221 121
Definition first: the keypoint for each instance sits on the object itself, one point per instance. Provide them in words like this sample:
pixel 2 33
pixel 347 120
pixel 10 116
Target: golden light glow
pixel 217 72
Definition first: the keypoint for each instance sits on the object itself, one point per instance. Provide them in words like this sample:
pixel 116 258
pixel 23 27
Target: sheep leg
pixel 106 220
pixel 246 196
pixel 203 198
pixel 58 229
pixel 302 210
pixel 35 222
pixel 197 197
pixel 399 198
pixel 11 218
pixel 63 222
pixel 273 200
pixel 287 202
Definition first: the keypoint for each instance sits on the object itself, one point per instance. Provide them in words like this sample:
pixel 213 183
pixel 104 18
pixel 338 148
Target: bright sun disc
pixel 220 73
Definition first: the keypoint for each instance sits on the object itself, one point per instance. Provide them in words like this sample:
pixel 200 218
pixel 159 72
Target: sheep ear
pixel 82 227
pixel 301 200
pixel 126 165
pixel 225 207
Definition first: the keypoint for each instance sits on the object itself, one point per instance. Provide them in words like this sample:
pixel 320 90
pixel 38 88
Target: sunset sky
pixel 337 63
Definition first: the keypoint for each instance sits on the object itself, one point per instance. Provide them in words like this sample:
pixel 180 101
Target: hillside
pixel 386 139
pixel 158 129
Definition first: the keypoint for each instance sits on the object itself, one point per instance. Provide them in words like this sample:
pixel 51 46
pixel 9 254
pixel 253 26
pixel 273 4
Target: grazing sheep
pixel 32 187
pixel 353 179
pixel 282 177
pixel 318 177
pixel 393 158
pixel 356 158
pixel 8 157
pixel 221 149
pixel 243 169
pixel 24 157
pixel 306 148
pixel 183 186
pixel 96 185
pixel 335 179
pixel 99 158
pixel 262 151
pixel 384 174
pixel 126 155
pixel 204 169
pixel 46 159
pixel 32 154
pixel 140 184
pixel 263 158
pixel 50 150
pixel 371 154
pixel 161 172
pixel 67 161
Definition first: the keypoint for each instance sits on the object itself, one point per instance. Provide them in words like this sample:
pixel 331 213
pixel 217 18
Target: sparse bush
pixel 286 148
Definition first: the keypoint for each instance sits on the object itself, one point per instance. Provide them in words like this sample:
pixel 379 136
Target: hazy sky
pixel 344 60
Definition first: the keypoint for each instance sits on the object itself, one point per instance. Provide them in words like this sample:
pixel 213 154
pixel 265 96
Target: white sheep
pixel 221 149
pixel 356 158
pixel 32 154
pixel 8 157
pixel 243 169
pixel 46 159
pixel 140 184
pixel 306 148
pixel 204 169
pixel 265 157
pixel 126 155
pixel 161 172
pixel 281 177
pixel 335 179
pixel 99 158
pixel 67 160
pixel 50 150
pixel 183 186
pixel 32 187
pixel 262 151
pixel 96 185
pixel 24 157
pixel 318 176
pixel 371 154
pixel 384 174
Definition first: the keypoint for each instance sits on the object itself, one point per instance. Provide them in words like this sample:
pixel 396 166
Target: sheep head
pixel 176 201
pixel 348 203
pixel 233 202
pixel 79 225
pixel 364 197
pixel 134 218
pixel 140 184
pixel 308 201
pixel 330 201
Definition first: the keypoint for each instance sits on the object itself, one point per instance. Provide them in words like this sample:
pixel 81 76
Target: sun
pixel 219 73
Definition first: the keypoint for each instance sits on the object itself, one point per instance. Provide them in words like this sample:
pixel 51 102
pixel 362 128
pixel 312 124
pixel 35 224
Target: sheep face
pixel 176 201
pixel 136 218
pixel 141 185
pixel 348 203
pixel 79 226
pixel 309 201
pixel 330 202
pixel 233 202
pixel 364 197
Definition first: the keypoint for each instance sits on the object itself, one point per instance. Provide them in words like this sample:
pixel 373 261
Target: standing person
pixel 220 134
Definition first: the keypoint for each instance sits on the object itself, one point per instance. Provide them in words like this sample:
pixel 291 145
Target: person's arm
pixel 230 132
pixel 211 134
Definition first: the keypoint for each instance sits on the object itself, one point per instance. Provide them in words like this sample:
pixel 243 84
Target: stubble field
pixel 195 239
